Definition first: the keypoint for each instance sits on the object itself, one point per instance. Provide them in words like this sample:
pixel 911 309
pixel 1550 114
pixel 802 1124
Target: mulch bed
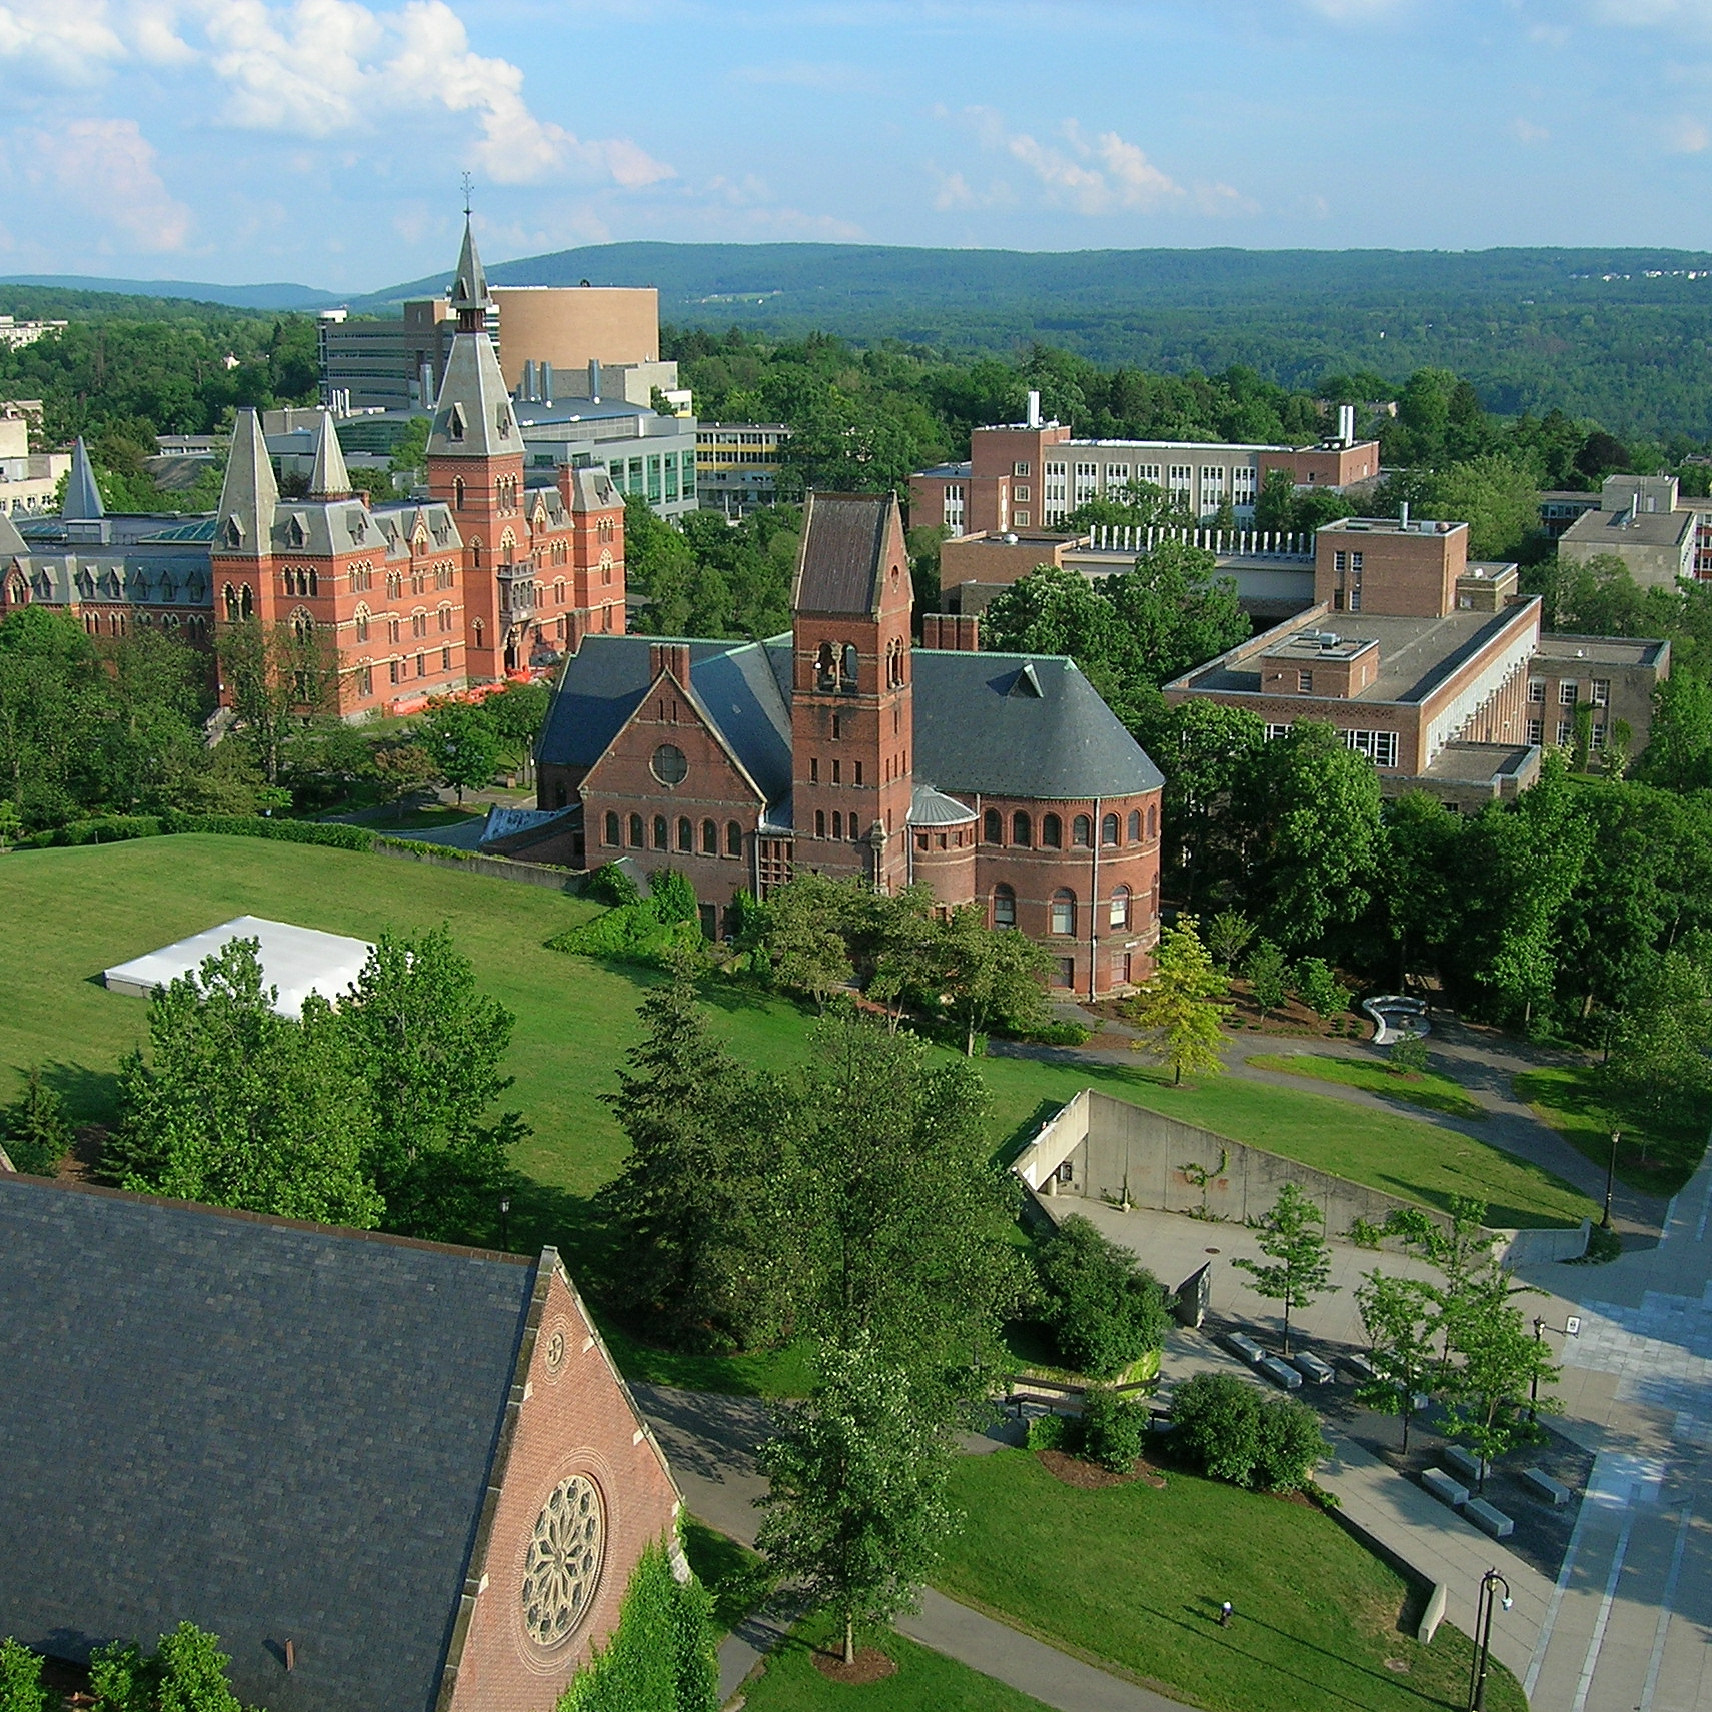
pixel 871 1665
pixel 1090 1476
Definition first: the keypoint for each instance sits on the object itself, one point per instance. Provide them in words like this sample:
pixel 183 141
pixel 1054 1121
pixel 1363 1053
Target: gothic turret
pixel 329 479
pixel 82 495
pixel 249 493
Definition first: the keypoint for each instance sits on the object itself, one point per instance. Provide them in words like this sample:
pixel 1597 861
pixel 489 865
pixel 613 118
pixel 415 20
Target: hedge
pixel 114 828
pixel 660 1657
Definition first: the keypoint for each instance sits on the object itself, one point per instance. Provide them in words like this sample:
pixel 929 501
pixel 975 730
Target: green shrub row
pixel 1228 1429
pixel 115 828
pixel 1111 1430
pixel 660 1657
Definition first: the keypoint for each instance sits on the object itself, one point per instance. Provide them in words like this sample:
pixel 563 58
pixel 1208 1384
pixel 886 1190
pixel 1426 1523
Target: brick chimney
pixel 958 631
pixel 673 657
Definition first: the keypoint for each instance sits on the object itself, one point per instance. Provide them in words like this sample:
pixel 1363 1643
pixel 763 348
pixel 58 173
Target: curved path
pixel 1482 1065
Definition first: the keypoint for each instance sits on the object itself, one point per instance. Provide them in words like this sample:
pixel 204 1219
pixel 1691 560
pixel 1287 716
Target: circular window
pixel 669 765
pixel 562 1570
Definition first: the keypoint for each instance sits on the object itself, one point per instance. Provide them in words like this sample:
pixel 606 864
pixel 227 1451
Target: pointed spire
pixel 11 542
pixel 469 286
pixel 249 494
pixel 82 496
pixel 329 479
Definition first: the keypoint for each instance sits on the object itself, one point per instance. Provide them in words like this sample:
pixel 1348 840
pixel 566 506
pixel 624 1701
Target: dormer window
pixel 455 422
pixel 502 419
pixel 234 532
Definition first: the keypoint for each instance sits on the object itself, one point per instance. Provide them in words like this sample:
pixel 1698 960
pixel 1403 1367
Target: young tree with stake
pixel 1301 1264
pixel 1401 1317
pixel 1181 1010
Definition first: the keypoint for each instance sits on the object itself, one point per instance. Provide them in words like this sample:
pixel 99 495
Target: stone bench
pixel 1311 1367
pixel 1446 1490
pixel 1281 1373
pixel 1463 1461
pixel 1553 1491
pixel 1358 1367
pixel 1246 1347
pixel 1488 1519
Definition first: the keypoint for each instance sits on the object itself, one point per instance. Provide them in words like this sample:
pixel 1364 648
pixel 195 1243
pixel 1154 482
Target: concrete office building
pixel 1641 520
pixel 737 465
pixel 1031 474
pixel 28 480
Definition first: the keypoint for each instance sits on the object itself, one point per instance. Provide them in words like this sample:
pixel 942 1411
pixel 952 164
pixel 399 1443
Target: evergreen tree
pixel 21 1687
pixel 38 1136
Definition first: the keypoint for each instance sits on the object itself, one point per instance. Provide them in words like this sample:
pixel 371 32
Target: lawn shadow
pixel 89 1096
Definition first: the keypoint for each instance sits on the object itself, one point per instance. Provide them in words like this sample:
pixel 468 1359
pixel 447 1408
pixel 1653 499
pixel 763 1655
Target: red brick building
pixel 999 779
pixel 423 598
pixel 386 1473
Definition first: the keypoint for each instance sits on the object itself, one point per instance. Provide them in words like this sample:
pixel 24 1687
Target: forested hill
pixel 1620 336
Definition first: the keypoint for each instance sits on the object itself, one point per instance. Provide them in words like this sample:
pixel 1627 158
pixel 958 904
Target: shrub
pixel 102 829
pixel 613 886
pixel 1232 1433
pixel 1265 970
pixel 672 897
pixel 1319 989
pixel 1409 1056
pixel 1113 1431
pixel 37 1134
pixel 1105 1309
pixel 1289 1446
pixel 1061 1034
pixel 1051 1432
pixel 20 1679
pixel 1217 1419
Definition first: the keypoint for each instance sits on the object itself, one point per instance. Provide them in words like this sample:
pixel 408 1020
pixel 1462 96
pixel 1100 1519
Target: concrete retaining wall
pixel 525 873
pixel 1117 1152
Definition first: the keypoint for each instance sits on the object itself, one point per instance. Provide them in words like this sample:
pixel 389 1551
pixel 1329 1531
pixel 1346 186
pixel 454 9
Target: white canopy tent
pixel 296 960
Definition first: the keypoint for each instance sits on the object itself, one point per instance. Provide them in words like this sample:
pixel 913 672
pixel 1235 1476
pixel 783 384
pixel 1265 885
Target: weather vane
pixel 466 181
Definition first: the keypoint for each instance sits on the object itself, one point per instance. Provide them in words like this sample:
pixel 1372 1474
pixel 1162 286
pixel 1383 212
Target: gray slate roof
pixel 841 562
pixel 274 1430
pixel 1002 724
pixel 82 494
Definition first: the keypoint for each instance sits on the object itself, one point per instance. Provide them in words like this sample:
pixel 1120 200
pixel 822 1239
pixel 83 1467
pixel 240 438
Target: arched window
pixel 847 668
pixel 479 627
pixel 445 620
pixel 660 832
pixel 1051 832
pixel 837 824
pixel 1004 907
pixel 733 839
pixel 1082 832
pixel 302 625
pixel 993 827
pixel 1153 822
pixel 228 594
pixel 507 547
pixel 1135 826
pixel 709 838
pixel 686 834
pixel 419 623
pixel 1063 912
pixel 1022 832
pixel 820 823
pixel 825 667
pixel 635 832
pixel 457 493
pixel 362 623
pixel 246 601
pixel 612 826
pixel 394 585
pixel 476 552
pixel 1109 829
pixel 1120 907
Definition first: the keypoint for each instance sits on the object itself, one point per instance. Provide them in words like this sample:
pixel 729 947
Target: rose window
pixel 668 764
pixel 562 1569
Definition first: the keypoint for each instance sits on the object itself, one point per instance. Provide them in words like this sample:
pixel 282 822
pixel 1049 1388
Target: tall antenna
pixel 466 181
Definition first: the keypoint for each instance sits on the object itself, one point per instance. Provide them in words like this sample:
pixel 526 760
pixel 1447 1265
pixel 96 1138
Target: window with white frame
pixel 1380 747
pixel 1275 731
pixel 1536 689
pixel 1021 493
pixel 1563 732
pixel 1147 473
pixel 1212 475
pixel 1536 731
pixel 954 503
pixel 1087 481
pixel 1601 692
pixel 1242 484
pixel 1117 475
pixel 1568 692
pixel 1020 467
pixel 1182 475
pixel 1596 737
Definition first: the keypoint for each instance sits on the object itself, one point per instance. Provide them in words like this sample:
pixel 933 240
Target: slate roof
pixel 272 1429
pixel 82 495
pixel 1002 724
pixel 841 562
pixel 736 684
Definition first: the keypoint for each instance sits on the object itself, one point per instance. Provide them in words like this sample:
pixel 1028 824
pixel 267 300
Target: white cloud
pixel 1356 11
pixel 1686 136
pixel 1526 131
pixel 1095 175
pixel 107 167
pixel 320 68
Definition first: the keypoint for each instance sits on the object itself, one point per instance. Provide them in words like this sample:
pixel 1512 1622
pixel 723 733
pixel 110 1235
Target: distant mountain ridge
pixel 276 296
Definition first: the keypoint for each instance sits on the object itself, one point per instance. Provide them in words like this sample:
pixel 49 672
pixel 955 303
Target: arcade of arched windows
pixel 239 602
pixel 362 576
pixel 505 494
pixel 394 585
pixel 300 582
pixel 1022 830
pixel 835 668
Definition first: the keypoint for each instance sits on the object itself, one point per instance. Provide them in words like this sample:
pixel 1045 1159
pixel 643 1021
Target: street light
pixel 504 1221
pixel 1610 1178
pixel 1490 1582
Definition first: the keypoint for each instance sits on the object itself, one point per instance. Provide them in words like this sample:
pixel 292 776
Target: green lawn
pixel 735 1576
pixel 80 910
pixel 925 1681
pixel 1427 1089
pixel 1135 1576
pixel 1653 1156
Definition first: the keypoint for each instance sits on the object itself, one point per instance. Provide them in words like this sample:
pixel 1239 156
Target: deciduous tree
pixel 1401 1318
pixel 1181 1008
pixel 1292 1238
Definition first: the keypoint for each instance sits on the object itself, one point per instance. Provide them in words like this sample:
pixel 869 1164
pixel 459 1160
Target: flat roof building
pixel 1641 521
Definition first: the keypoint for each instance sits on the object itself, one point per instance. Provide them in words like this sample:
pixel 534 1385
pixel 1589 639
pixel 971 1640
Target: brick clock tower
pixel 850 702
pixel 475 468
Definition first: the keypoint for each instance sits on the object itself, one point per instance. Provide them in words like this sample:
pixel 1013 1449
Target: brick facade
pixel 571 1416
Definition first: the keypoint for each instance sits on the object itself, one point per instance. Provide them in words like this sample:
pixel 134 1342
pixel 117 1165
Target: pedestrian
pixel 1225 1615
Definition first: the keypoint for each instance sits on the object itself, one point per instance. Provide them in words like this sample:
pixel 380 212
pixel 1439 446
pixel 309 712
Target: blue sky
pixel 322 140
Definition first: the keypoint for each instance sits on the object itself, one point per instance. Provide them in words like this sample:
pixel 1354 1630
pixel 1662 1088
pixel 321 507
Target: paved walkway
pixel 709 1440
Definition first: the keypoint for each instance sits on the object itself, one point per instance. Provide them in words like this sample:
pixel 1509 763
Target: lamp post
pixel 1490 1582
pixel 504 1222
pixel 1610 1178
pixel 1534 1382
